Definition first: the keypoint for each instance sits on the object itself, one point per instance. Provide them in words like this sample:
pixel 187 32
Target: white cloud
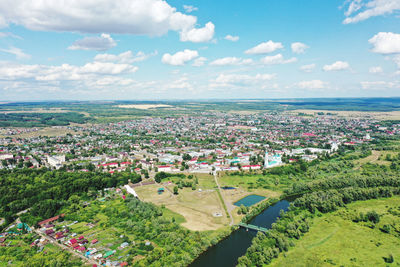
pixel 313 84
pixel 396 59
pixel 377 85
pixel 190 9
pixel 181 83
pixel 200 61
pixel 65 72
pixel 231 38
pixel 179 58
pixel 385 43
pixel 299 48
pixel 200 35
pixel 264 48
pixel 9 34
pixel 377 69
pixel 142 17
pixel 98 43
pixel 228 80
pixel 125 57
pixel 338 65
pixel 308 68
pixel 231 61
pixel 368 9
pixel 354 6
pixel 277 59
pixel 17 52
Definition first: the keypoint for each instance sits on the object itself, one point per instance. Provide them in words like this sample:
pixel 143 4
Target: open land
pixel 337 240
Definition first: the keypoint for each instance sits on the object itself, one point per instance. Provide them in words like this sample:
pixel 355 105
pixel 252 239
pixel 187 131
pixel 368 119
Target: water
pixel 227 252
pixel 249 200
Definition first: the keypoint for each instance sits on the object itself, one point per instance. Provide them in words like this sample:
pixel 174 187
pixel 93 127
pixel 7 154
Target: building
pixel 272 161
pixel 56 161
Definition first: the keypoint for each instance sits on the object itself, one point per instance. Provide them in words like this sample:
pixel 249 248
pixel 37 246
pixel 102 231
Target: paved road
pixel 223 200
pixel 64 247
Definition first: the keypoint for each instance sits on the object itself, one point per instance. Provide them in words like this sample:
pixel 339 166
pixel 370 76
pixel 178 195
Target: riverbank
pixel 226 252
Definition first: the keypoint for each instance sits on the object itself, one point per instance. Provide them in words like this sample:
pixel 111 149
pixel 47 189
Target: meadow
pixel 335 239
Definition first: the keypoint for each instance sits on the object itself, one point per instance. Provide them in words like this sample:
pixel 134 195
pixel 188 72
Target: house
pixel 94 241
pixel 251 167
pixel 47 221
pixel 109 253
pixel 165 168
pixel 72 242
pixel 49 232
pixel 124 245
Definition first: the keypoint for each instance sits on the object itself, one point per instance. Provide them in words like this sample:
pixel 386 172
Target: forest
pixel 40 119
pixel 330 190
pixel 46 192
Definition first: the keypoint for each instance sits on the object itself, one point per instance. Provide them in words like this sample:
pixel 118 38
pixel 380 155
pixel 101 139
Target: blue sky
pixel 151 49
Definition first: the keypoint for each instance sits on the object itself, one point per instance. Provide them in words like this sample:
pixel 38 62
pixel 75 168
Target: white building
pixel 56 161
pixel 272 161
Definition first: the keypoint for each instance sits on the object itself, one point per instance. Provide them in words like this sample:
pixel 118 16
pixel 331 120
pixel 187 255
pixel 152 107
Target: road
pixel 223 200
pixel 64 247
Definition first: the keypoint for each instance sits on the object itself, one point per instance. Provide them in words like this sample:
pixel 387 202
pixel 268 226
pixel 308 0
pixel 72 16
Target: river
pixel 227 252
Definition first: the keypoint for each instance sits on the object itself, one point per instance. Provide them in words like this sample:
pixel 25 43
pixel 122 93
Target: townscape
pixel 204 171
pixel 182 133
pixel 203 143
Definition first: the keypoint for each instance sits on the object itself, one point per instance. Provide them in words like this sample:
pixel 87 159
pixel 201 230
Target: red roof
pixel 94 241
pixel 50 219
pixel 73 241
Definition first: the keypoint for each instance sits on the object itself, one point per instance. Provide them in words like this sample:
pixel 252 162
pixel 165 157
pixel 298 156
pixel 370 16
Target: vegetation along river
pixel 227 252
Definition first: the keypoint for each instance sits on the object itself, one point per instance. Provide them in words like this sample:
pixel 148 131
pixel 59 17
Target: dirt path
pixel 223 200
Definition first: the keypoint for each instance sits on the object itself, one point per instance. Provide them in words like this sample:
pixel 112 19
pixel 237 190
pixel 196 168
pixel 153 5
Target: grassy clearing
pixel 334 239
pixel 46 131
pixel 265 184
pixel 197 207
pixel 377 157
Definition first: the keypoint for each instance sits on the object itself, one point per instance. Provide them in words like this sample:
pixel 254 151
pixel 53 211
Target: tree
pixel 175 190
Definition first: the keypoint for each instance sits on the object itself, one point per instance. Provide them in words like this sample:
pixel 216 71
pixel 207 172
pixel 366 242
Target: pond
pixel 249 200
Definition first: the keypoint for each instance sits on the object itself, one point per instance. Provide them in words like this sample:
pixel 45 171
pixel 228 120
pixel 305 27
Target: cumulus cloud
pixel 98 43
pixel 181 83
pixel 308 68
pixel 385 43
pixel 200 61
pixel 313 84
pixel 227 80
pixel 277 59
pixel 264 48
pixel 231 38
pixel 377 85
pixel 337 66
pixel 200 35
pixel 179 58
pixel 299 48
pixel 17 52
pixel 93 78
pixel 126 57
pixel 375 70
pixel 143 17
pixel 359 10
pixel 231 61
pixel 91 70
pixel 190 9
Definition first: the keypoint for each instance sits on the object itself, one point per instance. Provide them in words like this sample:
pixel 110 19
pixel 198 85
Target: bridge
pixel 253 227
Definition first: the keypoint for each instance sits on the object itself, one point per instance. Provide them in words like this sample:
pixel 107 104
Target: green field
pixel 334 239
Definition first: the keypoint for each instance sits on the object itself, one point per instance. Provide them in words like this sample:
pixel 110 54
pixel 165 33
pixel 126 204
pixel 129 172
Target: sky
pixel 198 49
